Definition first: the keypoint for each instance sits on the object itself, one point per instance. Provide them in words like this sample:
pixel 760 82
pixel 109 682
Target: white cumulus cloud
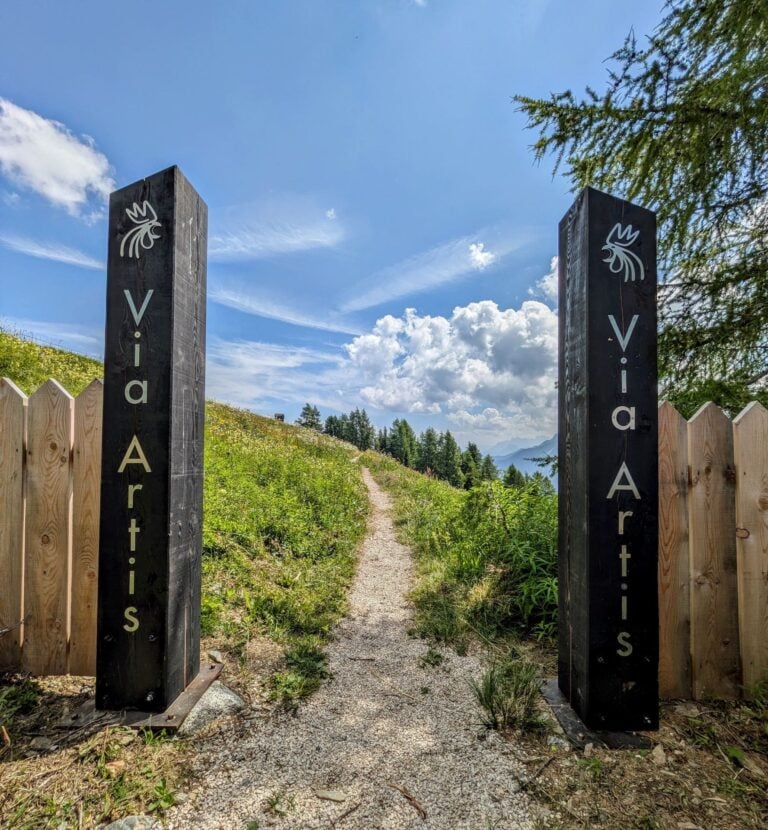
pixel 548 285
pixel 484 367
pixel 479 257
pixel 45 156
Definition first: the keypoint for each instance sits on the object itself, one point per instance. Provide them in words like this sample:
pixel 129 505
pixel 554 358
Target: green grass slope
pixel 284 510
pixel 30 365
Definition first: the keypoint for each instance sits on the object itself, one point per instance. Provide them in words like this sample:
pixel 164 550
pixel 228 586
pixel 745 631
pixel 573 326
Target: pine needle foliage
pixel 682 128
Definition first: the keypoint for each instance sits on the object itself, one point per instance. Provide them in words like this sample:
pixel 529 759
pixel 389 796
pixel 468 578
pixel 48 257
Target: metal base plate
pixel 578 733
pixel 171 719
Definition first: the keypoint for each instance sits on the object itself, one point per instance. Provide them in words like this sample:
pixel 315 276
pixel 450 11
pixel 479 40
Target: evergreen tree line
pixel 434 453
pixel 354 427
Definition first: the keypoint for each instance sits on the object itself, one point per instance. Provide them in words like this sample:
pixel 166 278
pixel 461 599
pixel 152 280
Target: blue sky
pixel 379 233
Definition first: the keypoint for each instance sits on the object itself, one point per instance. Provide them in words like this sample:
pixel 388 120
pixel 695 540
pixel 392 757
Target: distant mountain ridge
pixel 521 458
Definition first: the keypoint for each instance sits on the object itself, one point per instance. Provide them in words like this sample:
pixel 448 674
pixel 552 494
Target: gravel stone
pixel 369 732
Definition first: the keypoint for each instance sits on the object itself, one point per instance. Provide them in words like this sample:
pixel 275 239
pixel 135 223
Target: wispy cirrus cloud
pixel 50 250
pixel 45 156
pixel 248 302
pixel 279 225
pixel 262 375
pixel 443 264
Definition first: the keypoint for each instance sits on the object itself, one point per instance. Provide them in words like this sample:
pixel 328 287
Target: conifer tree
pixel 488 470
pixel 683 129
pixel 361 430
pixel 332 426
pixel 514 478
pixel 449 460
pixel 471 462
pixel 541 484
pixel 406 443
pixel 382 440
pixel 310 417
pixel 427 452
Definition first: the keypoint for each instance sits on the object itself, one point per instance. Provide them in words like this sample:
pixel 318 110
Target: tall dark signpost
pixel 609 628
pixel 152 463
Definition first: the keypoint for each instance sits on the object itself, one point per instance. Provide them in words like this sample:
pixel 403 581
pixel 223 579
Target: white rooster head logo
pixel 620 258
pixel 144 234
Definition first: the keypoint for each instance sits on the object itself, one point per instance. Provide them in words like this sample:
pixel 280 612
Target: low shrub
pixel 508 693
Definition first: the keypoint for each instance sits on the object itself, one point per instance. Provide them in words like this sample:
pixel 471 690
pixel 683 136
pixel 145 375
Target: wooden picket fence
pixel 713 552
pixel 713 540
pixel 50 473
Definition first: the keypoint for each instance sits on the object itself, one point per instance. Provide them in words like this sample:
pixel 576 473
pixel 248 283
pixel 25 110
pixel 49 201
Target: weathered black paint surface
pixel 148 668
pixel 606 689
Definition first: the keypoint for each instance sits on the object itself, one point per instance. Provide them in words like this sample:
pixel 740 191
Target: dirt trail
pixel 398 740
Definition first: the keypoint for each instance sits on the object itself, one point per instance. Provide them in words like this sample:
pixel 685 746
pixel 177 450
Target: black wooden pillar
pixel 608 450
pixel 152 462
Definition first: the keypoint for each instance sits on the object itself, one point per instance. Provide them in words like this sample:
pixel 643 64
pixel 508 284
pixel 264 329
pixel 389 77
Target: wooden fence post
pixel 714 619
pixel 48 536
pixel 13 416
pixel 674 564
pixel 750 444
pixel 86 493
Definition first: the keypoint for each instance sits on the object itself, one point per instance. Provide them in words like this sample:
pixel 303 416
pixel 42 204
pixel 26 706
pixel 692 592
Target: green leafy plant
pixel 307 668
pixel 594 766
pixel 278 804
pixel 163 798
pixel 19 697
pixel 432 659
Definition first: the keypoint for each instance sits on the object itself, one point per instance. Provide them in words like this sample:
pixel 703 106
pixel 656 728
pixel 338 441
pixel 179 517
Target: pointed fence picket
pixel 674 583
pixel 13 421
pixel 713 540
pixel 712 534
pixel 86 498
pixel 750 444
pixel 50 471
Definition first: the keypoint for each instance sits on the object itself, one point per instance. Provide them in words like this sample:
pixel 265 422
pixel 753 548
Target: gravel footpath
pixel 389 742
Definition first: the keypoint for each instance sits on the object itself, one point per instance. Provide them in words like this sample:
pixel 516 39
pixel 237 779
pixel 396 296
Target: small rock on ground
pixel 217 701
pixel 134 823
